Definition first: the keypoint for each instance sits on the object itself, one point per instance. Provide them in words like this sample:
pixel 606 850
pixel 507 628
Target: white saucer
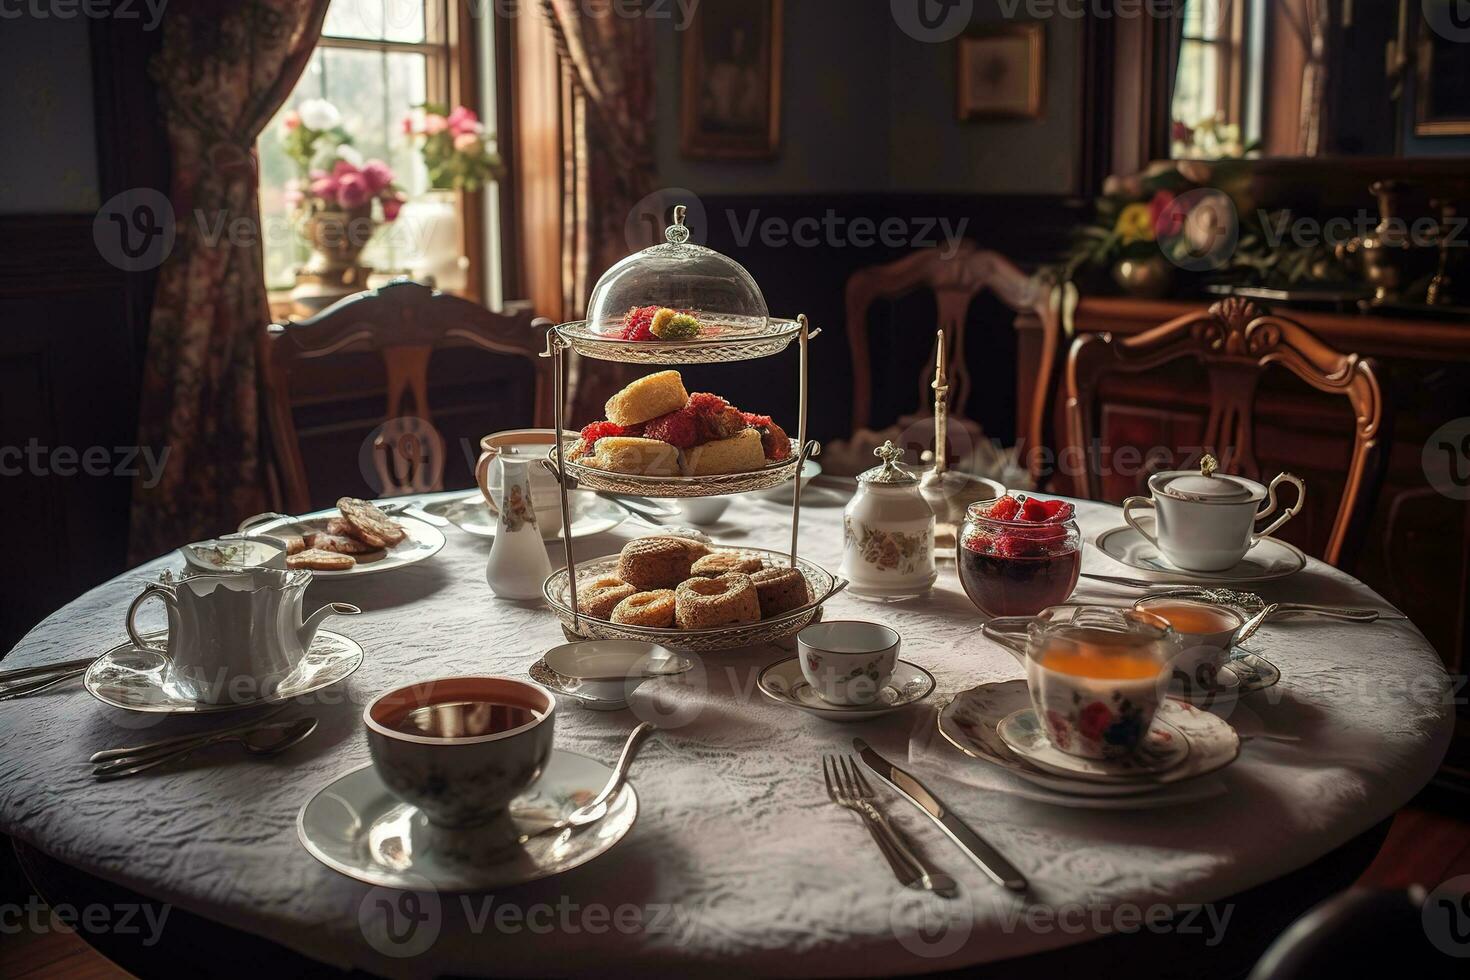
pixel 969 723
pixel 1271 558
pixel 135 679
pixel 1164 748
pixel 354 825
pixel 783 683
pixel 591 515
pixel 1245 673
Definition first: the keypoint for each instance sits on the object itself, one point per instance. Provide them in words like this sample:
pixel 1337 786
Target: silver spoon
pixel 596 809
pixel 44 684
pixel 263 741
pixel 179 741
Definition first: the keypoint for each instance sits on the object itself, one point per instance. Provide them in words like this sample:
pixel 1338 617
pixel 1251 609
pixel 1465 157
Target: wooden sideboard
pixel 1418 552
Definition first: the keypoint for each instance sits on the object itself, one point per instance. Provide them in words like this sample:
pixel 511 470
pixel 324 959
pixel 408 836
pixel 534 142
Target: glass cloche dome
pixel 678 302
pixel 682 276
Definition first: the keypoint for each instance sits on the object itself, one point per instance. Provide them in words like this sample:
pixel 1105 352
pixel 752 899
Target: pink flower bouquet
pixel 453 145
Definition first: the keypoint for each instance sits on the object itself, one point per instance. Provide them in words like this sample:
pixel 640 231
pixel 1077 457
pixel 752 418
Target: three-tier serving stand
pixel 737 328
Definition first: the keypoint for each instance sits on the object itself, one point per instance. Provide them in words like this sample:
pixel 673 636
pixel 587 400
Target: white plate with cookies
pixel 352 539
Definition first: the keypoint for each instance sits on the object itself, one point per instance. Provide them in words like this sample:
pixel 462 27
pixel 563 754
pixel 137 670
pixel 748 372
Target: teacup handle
pixel 1004 630
pixel 482 476
pixel 1128 505
pixel 149 591
pixel 1270 508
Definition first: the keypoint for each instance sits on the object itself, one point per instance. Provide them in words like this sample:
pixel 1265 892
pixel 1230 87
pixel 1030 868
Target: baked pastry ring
pixel 780 590
pixel 725 562
pixel 654 563
pixel 652 609
pixel 600 596
pixel 703 603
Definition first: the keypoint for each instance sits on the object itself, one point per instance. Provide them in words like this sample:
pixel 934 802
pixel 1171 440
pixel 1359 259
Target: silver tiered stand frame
pixel 575 337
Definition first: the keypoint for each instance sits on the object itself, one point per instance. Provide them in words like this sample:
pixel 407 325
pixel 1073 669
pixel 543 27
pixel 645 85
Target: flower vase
pixel 431 225
pixel 334 270
pixel 518 563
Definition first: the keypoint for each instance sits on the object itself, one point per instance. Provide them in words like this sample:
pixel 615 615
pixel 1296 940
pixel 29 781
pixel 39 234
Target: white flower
pixel 349 154
pixel 319 114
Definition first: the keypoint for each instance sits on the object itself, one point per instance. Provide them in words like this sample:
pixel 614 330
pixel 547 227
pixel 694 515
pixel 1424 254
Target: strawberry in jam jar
pixel 1018 555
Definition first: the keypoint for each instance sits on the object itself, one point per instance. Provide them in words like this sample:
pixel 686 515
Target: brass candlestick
pixel 941 409
pixel 949 494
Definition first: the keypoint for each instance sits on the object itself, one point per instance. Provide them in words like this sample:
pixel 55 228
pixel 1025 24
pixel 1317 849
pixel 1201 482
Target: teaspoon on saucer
pixel 597 807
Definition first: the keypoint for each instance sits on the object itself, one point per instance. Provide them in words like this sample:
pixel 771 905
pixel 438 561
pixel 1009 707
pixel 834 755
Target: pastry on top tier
pixel 647 398
pixel 738 454
pixel 628 454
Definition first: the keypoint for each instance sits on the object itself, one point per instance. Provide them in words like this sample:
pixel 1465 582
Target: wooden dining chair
pixel 1235 342
pixel 956 280
pixel 404 323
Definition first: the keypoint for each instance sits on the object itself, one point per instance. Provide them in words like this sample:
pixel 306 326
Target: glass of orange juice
pixel 1096 674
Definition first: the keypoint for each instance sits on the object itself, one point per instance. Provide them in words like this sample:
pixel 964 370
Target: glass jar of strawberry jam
pixel 1018 555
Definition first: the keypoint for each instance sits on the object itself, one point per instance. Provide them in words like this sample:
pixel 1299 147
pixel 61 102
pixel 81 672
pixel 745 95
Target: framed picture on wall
pixel 1444 75
pixel 1001 73
pixel 732 81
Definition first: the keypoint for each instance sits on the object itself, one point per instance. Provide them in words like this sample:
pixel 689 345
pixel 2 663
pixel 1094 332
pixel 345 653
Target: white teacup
pixel 1206 631
pixel 1096 674
pixel 848 662
pixel 1205 521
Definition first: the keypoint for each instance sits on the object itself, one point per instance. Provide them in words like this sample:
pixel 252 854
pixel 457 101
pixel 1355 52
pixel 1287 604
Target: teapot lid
pixel 1206 485
pixel 890 474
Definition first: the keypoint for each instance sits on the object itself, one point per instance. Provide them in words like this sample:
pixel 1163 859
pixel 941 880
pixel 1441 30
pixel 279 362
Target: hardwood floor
pixel 1427 844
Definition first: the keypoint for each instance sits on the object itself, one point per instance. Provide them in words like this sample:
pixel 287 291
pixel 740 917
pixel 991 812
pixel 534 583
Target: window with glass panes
pixel 376 60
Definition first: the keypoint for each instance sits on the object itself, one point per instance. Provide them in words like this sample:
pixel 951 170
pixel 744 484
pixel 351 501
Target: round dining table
pixel 738 861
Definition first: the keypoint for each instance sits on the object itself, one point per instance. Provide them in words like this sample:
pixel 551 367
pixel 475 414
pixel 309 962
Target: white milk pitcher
pixel 518 564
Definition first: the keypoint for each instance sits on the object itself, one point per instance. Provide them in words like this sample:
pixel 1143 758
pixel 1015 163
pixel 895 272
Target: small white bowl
pixel 611 670
pixel 614 660
pixel 703 510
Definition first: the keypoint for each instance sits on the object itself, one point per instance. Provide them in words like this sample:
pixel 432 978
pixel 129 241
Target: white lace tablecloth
pixel 737 860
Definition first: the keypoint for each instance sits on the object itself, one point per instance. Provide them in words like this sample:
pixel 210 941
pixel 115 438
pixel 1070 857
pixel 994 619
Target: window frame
pixel 452 77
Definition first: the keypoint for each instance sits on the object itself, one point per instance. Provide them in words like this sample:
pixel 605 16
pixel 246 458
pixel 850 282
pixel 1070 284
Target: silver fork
pixel 844 789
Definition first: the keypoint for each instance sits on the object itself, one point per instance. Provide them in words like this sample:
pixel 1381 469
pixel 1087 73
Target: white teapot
pixel 888 532
pixel 233 636
pixel 1206 521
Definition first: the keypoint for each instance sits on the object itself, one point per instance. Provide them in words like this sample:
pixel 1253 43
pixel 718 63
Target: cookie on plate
pixel 371 523
pixel 320 561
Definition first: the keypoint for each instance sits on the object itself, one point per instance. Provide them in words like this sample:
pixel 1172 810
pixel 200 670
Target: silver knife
pixel 1001 871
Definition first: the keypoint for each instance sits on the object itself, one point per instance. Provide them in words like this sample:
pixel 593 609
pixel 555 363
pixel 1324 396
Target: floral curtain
pixel 608 162
pixel 224 68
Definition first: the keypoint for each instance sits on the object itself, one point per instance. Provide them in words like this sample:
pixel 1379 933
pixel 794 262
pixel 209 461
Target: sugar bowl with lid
pixel 888 532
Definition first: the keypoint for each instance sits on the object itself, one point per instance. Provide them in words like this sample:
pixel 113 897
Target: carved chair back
pixel 403 322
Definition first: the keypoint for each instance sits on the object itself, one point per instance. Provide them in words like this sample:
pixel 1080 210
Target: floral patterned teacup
pixel 1096 674
pixel 848 662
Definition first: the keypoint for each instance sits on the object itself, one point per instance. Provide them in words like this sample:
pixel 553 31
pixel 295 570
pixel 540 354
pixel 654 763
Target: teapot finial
pixel 1208 465
pixel 889 454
